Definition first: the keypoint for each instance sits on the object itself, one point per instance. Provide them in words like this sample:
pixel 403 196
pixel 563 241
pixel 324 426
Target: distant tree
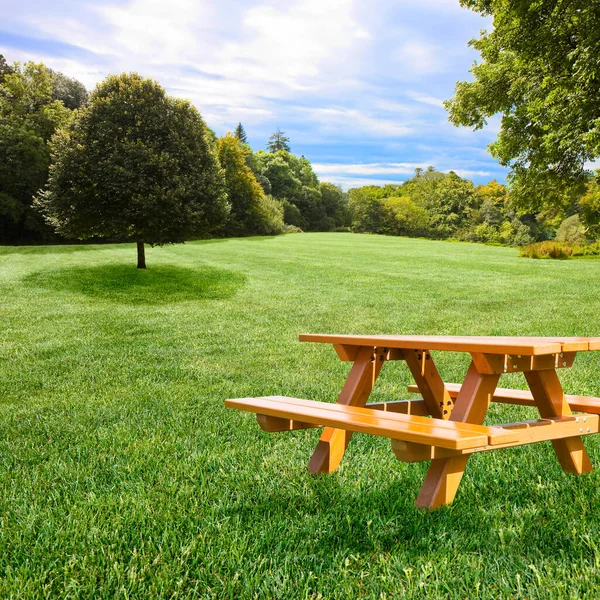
pixel 5 68
pixel 540 71
pixel 404 217
pixel 250 210
pixel 276 167
pixel 71 92
pixel 367 211
pixel 448 199
pixel 240 133
pixel 590 209
pixel 278 142
pixel 137 164
pixel 571 231
pixel 335 203
pixel 28 118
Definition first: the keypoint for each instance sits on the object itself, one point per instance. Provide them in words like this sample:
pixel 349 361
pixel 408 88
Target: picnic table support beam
pixel 551 402
pixel 361 379
pixel 430 383
pixel 444 474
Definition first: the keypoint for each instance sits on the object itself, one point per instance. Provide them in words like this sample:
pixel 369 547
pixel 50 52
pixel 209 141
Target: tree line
pixel 128 162
pixel 443 205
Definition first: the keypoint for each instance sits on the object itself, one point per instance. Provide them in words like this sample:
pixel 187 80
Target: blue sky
pixel 356 85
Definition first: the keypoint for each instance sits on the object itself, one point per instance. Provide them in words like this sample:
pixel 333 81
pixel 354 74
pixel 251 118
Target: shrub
pixel 292 229
pixel 571 231
pixel 546 250
pixel 587 249
pixel 268 213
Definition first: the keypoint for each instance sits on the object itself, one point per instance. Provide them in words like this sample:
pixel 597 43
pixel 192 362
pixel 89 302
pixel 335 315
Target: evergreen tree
pixel 240 133
pixel 278 141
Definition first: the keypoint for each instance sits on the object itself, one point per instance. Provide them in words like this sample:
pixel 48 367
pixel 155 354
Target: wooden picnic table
pixel 445 424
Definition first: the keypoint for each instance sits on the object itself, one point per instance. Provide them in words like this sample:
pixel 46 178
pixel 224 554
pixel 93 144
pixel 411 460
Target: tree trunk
pixel 141 255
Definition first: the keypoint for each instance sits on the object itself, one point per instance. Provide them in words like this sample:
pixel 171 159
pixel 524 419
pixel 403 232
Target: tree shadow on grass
pixel 124 284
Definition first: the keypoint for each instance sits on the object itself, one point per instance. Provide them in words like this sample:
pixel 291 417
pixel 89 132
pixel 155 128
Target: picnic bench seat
pixel 409 428
pixel 585 404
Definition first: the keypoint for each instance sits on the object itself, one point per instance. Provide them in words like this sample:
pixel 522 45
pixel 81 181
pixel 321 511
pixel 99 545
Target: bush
pixel 292 229
pixel 571 231
pixel 268 213
pixel 587 249
pixel 342 229
pixel 546 250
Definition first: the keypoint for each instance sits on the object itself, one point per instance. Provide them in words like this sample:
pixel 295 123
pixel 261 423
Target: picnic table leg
pixel 444 474
pixel 430 383
pixel 551 402
pixel 333 442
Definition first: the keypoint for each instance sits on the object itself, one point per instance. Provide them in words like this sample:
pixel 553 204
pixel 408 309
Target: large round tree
pixel 137 164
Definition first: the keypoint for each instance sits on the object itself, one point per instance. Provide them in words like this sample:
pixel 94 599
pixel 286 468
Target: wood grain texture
pixel 587 404
pixel 437 432
pixel 444 474
pixel 551 402
pixel 531 346
pixel 333 442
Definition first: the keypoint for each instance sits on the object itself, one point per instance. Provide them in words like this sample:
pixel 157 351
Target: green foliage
pixel 251 213
pixel 269 214
pixel 69 91
pixel 571 231
pixel 307 203
pixel 134 163
pixel 29 115
pixel 367 210
pixel 5 68
pixel 540 71
pixel 335 204
pixel 278 142
pixel 447 198
pixel 590 208
pixel 404 217
pixel 240 133
pixel 547 249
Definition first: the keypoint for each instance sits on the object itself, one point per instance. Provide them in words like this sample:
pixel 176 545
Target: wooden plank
pixel 444 474
pixel 530 432
pixel 447 434
pixel 429 382
pixel 551 402
pixel 346 353
pixel 406 407
pixel 360 381
pixel 276 424
pixel 492 345
pixel 519 363
pixel 587 404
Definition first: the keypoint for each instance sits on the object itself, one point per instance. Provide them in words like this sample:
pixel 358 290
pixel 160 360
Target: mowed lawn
pixel 122 475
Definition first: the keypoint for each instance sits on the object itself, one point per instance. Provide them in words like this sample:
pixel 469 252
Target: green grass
pixel 122 475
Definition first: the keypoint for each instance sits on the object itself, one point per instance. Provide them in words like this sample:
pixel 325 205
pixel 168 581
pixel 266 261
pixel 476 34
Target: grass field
pixel 122 475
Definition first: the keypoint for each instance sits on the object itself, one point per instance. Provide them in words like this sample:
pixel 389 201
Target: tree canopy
pixel 278 142
pixel 137 164
pixel 69 91
pixel 540 71
pixel 29 115
pixel 240 133
pixel 251 212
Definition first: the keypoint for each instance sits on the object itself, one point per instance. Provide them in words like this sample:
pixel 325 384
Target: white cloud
pixel 426 99
pixel 353 182
pixel 418 56
pixel 368 169
pixel 354 121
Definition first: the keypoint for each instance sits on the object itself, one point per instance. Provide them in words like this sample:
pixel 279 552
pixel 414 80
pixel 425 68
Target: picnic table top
pixel 530 346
